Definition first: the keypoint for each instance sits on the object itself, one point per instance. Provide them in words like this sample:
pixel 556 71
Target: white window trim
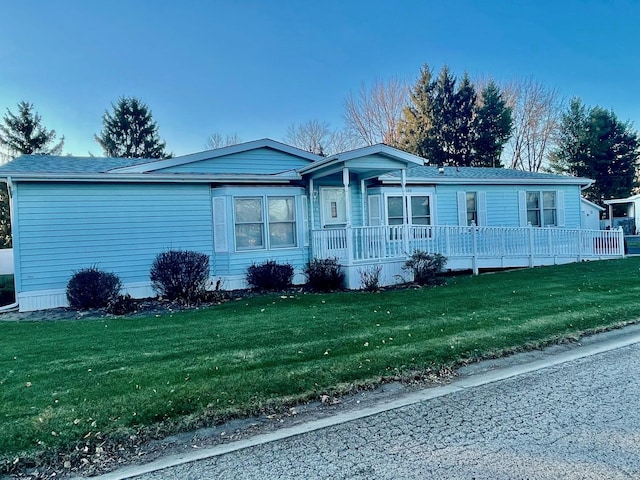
pixel 481 208
pixel 265 223
pixel 220 243
pixel 407 206
pixel 559 208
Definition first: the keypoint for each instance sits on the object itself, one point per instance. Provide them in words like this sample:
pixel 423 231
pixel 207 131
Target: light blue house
pixel 264 200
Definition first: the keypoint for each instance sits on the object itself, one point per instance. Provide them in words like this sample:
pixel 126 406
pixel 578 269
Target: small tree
pixel 130 131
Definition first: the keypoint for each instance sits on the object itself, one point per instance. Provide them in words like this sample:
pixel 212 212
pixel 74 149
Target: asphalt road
pixel 577 420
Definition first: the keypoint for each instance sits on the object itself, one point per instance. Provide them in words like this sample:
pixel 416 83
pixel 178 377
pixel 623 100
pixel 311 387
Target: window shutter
pixel 220 224
pixel 522 208
pixel 560 208
pixel 481 198
pixel 305 220
pixel 462 209
pixel 375 216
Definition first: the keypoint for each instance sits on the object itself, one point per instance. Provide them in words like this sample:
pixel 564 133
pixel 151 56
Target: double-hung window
pixel 542 209
pixel 249 223
pixel 419 210
pixel 282 222
pixel 257 229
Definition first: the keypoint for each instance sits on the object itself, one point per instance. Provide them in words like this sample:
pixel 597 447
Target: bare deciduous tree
pixel 372 115
pixel 216 140
pixel 536 109
pixel 313 136
pixel 317 137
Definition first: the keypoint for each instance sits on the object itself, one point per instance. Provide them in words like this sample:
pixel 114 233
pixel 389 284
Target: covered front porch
pixel 466 248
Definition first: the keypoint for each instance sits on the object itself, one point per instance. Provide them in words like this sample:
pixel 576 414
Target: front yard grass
pixel 63 383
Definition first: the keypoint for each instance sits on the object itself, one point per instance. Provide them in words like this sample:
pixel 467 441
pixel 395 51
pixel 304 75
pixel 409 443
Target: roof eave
pixel 488 181
pixel 219 152
pixel 153 178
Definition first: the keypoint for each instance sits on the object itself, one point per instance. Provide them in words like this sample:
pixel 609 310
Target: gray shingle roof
pixel 476 173
pixel 66 164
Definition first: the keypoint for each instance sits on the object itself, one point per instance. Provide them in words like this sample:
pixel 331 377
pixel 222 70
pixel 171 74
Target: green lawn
pixel 61 382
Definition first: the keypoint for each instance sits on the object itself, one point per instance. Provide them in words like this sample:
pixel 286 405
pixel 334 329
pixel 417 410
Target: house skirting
pixel 45 299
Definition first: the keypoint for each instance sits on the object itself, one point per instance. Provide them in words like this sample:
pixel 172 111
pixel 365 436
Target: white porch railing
pixel 364 244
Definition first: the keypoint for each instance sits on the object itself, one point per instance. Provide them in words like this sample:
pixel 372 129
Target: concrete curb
pixel 592 346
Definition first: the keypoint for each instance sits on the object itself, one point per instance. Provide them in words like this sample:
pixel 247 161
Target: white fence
pixel 538 245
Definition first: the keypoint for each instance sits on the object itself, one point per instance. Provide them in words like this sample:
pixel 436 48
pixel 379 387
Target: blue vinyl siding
pixel 236 262
pixel 502 203
pixel 260 161
pixel 118 227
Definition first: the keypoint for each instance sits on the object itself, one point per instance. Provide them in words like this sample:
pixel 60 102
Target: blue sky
pixel 255 67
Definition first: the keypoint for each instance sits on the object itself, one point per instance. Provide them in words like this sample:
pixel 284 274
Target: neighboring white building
pixel 622 211
pixel 590 214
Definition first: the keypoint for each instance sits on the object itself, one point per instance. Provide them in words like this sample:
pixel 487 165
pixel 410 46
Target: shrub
pixel 122 305
pixel 425 267
pixel 370 278
pixel 324 275
pixel 92 288
pixel 180 275
pixel 270 275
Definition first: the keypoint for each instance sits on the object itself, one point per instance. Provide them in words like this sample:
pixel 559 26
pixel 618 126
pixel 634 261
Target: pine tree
pixel 571 140
pixel 24 134
pixel 441 137
pixel 130 131
pixel 464 136
pixel 417 117
pixel 594 144
pixel 493 124
pixel 438 125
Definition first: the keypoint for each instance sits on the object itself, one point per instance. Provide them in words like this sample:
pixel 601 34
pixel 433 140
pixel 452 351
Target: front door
pixel 334 207
pixel 333 217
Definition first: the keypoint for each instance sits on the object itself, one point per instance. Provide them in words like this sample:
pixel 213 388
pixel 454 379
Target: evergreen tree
pixel 593 143
pixel 441 137
pixel 464 134
pixel 130 131
pixel 23 133
pixel 417 117
pixel 493 124
pixel 448 126
pixel 571 140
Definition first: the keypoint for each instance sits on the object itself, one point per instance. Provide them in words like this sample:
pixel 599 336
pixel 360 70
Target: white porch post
pixel 311 219
pixel 363 200
pixel 311 213
pixel 347 201
pixel 405 211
